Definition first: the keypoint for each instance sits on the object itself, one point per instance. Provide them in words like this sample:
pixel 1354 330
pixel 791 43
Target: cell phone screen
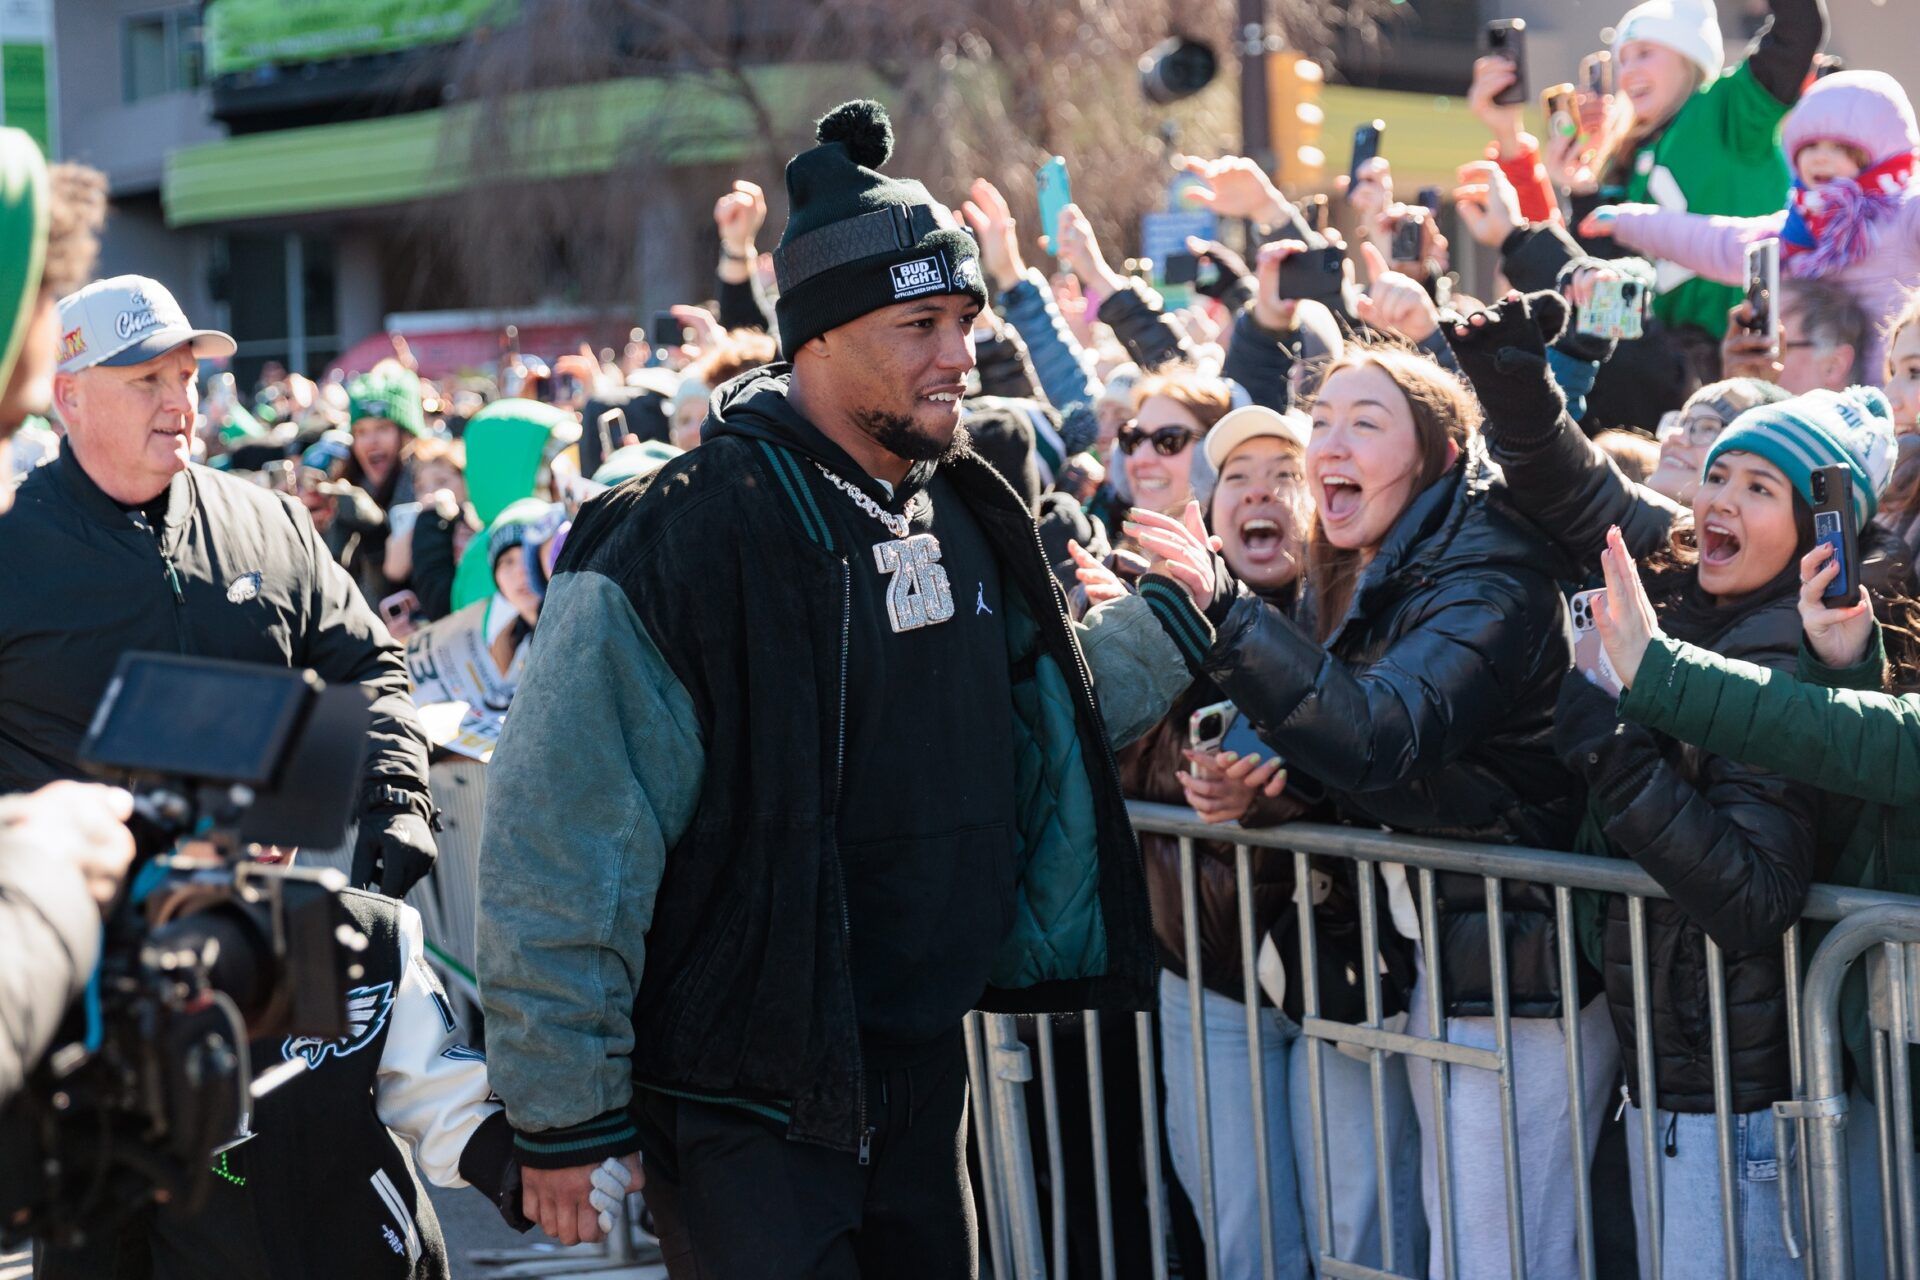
pixel 1763 286
pixel 1181 268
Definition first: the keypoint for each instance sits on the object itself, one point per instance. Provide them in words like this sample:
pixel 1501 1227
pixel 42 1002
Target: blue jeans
pixel 1694 1246
pixel 1354 1190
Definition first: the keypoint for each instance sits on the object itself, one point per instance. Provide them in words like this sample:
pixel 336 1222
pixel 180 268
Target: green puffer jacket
pixel 1832 728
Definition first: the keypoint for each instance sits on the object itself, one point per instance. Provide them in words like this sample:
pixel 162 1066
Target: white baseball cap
pixel 1238 426
pixel 128 320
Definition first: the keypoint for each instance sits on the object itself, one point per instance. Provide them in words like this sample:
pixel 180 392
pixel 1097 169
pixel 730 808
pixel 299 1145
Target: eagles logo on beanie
pixel 857 240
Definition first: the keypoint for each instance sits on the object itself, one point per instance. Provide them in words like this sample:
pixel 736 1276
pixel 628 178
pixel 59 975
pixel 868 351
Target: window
pixel 160 53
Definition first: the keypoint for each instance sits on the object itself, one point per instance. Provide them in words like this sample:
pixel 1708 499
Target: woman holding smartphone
pixel 1419 689
pixel 1733 845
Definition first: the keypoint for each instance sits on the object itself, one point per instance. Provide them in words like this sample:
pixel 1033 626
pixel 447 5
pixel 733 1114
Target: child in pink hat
pixel 1853 217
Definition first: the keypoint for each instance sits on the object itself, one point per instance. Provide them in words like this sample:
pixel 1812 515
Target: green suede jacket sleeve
pixel 596 776
pixel 1137 671
pixel 1851 741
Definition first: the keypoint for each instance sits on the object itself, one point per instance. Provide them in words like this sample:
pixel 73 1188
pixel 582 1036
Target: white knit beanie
pixel 1690 28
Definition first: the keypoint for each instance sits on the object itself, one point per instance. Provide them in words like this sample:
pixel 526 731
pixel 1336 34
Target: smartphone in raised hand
pixel 1589 654
pixel 1366 146
pixel 1055 193
pixel 1833 524
pixel 1596 73
pixel 1507 38
pixel 1763 288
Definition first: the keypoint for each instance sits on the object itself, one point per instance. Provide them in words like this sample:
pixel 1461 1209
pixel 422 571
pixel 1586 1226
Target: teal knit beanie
pixel 1851 428
pixel 857 240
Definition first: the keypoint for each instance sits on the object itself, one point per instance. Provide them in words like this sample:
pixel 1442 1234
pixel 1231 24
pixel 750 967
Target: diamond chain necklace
pixel 896 525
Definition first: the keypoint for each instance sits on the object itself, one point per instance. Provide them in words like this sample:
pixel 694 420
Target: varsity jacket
pixel 321 1190
pixel 662 894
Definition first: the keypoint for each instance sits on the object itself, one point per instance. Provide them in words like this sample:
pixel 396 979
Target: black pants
pixel 733 1198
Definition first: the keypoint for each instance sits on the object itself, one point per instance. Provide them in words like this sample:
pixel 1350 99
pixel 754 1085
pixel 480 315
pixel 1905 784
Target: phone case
pixel 1614 311
pixel 1833 525
pixel 1055 193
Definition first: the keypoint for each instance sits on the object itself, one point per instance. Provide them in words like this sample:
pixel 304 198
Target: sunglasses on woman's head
pixel 1167 441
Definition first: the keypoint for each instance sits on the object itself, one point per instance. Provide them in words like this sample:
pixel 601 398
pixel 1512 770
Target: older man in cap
pixel 119 545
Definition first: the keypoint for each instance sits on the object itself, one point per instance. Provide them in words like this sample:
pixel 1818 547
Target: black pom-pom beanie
pixel 857 240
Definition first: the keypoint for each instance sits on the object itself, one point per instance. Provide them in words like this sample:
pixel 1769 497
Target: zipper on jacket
pixel 846 919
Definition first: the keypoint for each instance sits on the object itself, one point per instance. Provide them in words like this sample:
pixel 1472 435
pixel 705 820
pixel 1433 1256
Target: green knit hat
pixel 1851 428
pixel 23 241
pixel 389 391
pixel 857 240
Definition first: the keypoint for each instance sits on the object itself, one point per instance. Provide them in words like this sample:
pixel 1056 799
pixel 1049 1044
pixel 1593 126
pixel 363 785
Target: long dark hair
pixel 1444 414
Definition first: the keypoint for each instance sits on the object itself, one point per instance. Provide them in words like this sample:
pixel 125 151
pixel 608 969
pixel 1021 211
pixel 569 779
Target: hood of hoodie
pixel 1866 110
pixel 756 406
pixel 23 241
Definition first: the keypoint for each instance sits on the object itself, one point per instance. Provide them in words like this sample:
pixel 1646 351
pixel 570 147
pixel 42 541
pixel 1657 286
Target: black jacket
pixel 1734 846
pixel 1430 708
pixel 237 572
pixel 746 992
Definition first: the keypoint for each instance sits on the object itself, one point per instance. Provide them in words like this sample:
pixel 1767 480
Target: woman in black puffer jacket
pixel 1734 846
pixel 1420 691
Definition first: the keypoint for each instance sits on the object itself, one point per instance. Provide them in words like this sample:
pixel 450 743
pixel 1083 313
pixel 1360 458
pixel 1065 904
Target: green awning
pixel 557 133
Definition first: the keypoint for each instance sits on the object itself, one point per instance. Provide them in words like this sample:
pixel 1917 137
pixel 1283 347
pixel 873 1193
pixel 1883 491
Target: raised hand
pixel 1492 76
pixel 1624 616
pixel 1238 188
pixel 994 227
pixel 739 215
pixel 1838 636
pixel 1487 202
pixel 1183 549
pixel 1394 303
pixel 1100 581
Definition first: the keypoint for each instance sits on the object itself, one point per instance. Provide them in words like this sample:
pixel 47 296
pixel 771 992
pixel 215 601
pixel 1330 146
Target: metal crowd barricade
pixel 1815 1193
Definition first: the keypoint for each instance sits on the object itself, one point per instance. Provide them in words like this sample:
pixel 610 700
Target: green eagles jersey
pixel 1719 155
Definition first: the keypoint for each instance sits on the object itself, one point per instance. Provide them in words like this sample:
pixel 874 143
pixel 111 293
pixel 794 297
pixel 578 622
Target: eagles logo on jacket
pixel 321 1190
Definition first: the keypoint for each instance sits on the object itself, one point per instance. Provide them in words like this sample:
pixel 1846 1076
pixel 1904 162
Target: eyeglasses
pixel 1167 441
pixel 1698 431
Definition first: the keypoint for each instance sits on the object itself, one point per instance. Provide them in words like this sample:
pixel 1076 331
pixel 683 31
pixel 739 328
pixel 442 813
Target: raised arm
pixel 1556 477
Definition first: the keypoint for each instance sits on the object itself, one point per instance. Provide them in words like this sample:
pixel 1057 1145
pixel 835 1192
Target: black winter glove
pixel 392 852
pixel 1503 355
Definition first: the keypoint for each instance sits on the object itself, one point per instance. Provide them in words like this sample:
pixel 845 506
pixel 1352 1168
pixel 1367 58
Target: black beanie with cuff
pixel 857 240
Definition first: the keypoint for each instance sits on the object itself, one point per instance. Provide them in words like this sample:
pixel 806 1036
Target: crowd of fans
pixel 1404 485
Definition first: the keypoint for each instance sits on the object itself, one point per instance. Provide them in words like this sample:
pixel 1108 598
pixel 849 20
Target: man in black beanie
pixel 837 776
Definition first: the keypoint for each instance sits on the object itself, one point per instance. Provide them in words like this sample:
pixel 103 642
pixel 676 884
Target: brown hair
pixel 1444 413
pixel 1633 453
pixel 744 349
pixel 76 211
pixel 1206 398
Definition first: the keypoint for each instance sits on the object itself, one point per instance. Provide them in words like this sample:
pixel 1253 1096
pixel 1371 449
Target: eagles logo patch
pixel 243 588
pixel 367 1010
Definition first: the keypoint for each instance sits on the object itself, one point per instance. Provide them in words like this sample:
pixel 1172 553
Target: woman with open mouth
pixel 1419 690
pixel 1734 846
pixel 1172 412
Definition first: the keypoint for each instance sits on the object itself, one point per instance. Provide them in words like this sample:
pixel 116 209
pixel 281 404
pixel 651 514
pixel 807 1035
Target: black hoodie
pixel 925 826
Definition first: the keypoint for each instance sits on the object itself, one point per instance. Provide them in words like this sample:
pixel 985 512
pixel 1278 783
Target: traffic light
pixel 1295 117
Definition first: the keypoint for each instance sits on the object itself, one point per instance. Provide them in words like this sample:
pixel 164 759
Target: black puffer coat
pixel 1733 845
pixel 1430 710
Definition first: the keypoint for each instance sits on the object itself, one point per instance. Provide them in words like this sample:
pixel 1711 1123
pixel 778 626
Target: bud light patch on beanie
pixel 921 276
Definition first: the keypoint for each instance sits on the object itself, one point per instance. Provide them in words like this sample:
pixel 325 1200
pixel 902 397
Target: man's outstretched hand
pixel 567 1203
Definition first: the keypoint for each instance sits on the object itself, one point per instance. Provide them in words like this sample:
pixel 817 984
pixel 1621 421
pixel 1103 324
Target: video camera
pixel 204 951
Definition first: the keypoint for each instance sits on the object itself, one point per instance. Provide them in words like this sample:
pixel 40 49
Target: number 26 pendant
pixel 919 594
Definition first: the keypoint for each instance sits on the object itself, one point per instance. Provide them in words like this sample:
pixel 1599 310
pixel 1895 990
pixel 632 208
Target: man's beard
pixel 896 434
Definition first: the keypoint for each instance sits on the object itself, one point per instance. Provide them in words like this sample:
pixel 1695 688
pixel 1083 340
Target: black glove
pixel 393 851
pixel 1233 272
pixel 1504 358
